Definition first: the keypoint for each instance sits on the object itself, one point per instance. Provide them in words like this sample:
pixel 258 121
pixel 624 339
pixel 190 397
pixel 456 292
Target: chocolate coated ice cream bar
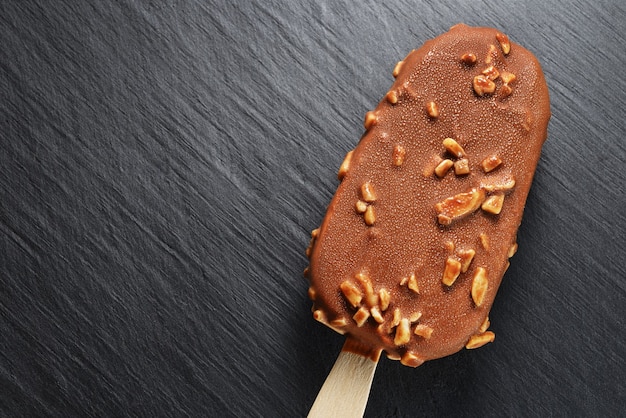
pixel 412 250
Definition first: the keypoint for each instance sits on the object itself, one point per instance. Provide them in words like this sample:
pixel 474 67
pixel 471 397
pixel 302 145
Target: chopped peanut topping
pixel 415 316
pixel 351 292
pixel 397 316
pixel 360 206
pixel 494 203
pixel 403 332
pixel 368 193
pixel 491 73
pixel 398 155
pixel 361 316
pixel 378 317
pixel 468 58
pixel 484 241
pixel 490 163
pixel 484 325
pixel 461 167
pixel 457 206
pixel 412 284
pixel 411 360
pixel 392 97
pixel 479 340
pixel 480 283
pixel 370 297
pixel 423 331
pixel 507 77
pixel 398 68
pixel 345 166
pixel 369 216
pixel 384 298
pixel 453 148
pixel 451 271
pixel 505 44
pixel 339 322
pixel 443 167
pixel 483 85
pixel 432 110
pixel 370 119
pixel 466 257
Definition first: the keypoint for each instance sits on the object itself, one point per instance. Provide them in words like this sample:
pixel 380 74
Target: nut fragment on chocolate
pixel 443 167
pixel 403 332
pixel 360 206
pixel 423 331
pixel 369 216
pixel 453 147
pixel 398 155
pixel 370 119
pixel 493 204
pixel 473 102
pixel 459 205
pixel 483 85
pixel 432 110
pixel 352 293
pixel 345 166
pixel 361 316
pixel 479 286
pixel 392 97
pixel 505 44
pixel 468 58
pixel 451 271
pixel 466 257
pixel 384 297
pixel 461 167
pixel 479 340
pixel 491 163
pixel 367 192
pixel 398 68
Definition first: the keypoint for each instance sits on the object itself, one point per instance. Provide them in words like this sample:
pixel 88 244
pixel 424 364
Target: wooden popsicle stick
pixel 347 387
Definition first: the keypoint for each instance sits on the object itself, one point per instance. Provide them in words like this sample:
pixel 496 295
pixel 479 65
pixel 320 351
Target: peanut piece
pixel 461 167
pixel 480 283
pixel 369 216
pixel 370 119
pixel 403 332
pixel 494 203
pixel 483 85
pixel 443 167
pixel 360 206
pixel 468 58
pixel 451 271
pixel 453 147
pixel 345 166
pixel 411 360
pixel 505 44
pixel 457 206
pixel 490 163
pixel 351 292
pixel 423 331
pixel 397 68
pixel 368 193
pixel 398 155
pixel 479 340
pixel 466 257
pixel 361 316
pixel 384 298
pixel 432 110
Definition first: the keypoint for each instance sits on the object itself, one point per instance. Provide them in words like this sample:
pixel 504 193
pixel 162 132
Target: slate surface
pixel 162 165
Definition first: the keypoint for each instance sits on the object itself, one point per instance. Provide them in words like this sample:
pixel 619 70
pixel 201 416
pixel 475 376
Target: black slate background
pixel 162 165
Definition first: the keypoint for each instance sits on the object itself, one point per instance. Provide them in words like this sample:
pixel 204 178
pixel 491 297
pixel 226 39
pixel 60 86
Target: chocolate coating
pixel 434 238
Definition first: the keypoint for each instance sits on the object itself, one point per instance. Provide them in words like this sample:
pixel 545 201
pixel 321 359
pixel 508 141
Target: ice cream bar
pixel 412 250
